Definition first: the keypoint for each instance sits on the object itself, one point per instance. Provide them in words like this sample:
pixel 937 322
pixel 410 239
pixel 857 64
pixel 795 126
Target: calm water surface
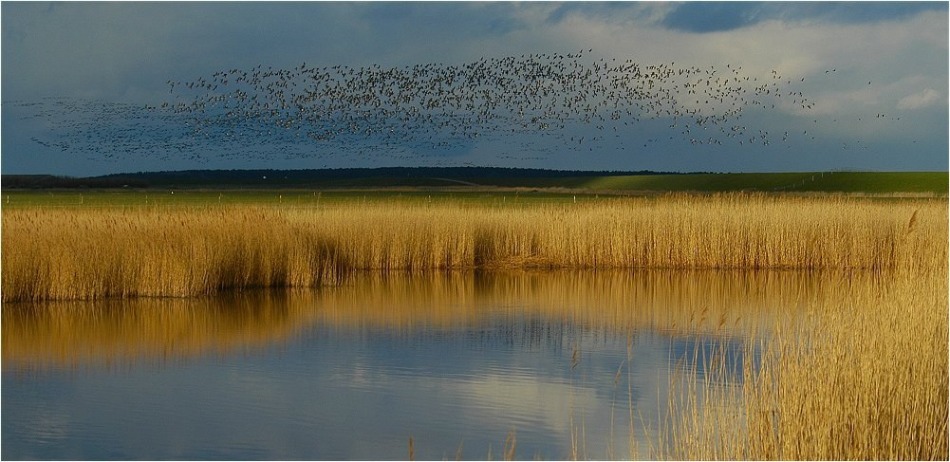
pixel 555 362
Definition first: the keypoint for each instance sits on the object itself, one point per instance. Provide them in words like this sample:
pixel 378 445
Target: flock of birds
pixel 531 104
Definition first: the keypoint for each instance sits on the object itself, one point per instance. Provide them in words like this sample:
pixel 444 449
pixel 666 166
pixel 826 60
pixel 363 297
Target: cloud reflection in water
pixel 351 372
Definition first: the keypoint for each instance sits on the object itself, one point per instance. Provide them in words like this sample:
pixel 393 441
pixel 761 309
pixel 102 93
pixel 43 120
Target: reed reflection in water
pixel 456 361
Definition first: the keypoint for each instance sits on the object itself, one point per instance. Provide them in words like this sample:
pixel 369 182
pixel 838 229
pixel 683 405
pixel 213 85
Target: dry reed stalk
pixel 511 444
pixel 124 252
pixel 866 380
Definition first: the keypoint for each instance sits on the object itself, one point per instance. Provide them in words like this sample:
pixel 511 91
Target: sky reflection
pixel 455 362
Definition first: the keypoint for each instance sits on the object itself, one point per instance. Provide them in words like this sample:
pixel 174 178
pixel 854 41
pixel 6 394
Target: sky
pixel 84 85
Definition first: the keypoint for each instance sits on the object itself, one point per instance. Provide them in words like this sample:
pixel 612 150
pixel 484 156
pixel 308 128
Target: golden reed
pixel 865 378
pixel 86 253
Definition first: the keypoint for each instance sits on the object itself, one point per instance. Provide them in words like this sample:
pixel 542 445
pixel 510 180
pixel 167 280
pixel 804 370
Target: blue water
pixel 355 372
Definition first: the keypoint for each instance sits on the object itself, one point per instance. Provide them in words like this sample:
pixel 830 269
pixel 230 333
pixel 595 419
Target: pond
pixel 550 365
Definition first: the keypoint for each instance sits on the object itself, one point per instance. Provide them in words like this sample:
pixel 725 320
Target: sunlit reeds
pixel 865 379
pixel 77 253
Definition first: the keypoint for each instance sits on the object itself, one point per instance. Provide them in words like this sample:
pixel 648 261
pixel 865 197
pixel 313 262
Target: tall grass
pixel 78 253
pixel 867 379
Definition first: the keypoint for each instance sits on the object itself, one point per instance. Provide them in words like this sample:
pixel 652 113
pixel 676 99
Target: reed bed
pixel 866 379
pixel 91 253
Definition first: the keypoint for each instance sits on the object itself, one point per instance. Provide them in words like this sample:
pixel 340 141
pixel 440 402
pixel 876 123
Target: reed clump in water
pixel 866 380
pixel 79 253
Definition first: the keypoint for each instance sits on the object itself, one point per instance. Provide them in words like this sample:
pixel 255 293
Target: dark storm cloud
pixel 704 17
pixel 110 50
pixel 696 17
pixel 466 20
pixel 601 10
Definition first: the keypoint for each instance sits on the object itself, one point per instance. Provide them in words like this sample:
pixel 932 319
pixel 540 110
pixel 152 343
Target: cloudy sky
pixel 875 75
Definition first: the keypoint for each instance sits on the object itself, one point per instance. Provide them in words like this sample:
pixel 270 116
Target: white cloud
pixel 922 99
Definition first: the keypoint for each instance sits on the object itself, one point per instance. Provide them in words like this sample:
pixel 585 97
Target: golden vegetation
pixel 80 253
pixel 867 379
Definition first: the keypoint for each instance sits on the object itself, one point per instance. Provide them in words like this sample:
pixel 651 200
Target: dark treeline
pixel 386 176
pixel 53 181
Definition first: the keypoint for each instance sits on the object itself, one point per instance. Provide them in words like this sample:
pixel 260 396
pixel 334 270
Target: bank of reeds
pixel 866 379
pixel 78 253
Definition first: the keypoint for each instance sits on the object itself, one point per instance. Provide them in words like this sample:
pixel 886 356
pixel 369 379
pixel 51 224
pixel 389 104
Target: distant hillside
pixel 53 181
pixel 342 177
pixel 430 177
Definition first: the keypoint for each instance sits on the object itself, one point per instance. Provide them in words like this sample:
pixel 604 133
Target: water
pixel 554 363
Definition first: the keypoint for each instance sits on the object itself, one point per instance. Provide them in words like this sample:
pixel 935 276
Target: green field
pixel 498 189
pixel 277 197
pixel 851 182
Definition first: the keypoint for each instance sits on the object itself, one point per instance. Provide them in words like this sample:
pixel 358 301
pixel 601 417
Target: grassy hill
pixel 475 177
pixel 865 182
